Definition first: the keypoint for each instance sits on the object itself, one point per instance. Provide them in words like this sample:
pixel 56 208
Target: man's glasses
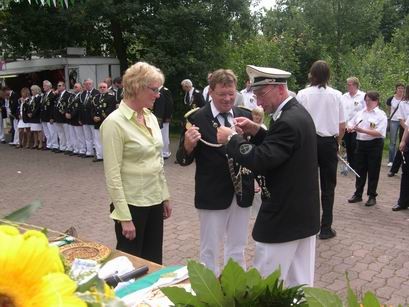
pixel 259 95
pixel 154 89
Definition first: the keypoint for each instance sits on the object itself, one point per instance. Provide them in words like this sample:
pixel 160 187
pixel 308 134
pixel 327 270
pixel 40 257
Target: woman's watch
pixel 231 135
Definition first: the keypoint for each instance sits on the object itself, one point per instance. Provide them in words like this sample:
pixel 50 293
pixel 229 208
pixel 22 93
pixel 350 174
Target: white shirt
pixel 325 107
pixel 220 118
pixel 205 93
pixel 407 123
pixel 403 111
pixel 375 119
pixel 250 100
pixel 353 104
pixel 394 104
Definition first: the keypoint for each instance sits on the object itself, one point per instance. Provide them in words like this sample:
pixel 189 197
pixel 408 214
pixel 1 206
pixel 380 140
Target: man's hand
pixel 167 209
pixel 97 119
pixel 402 146
pixel 30 115
pixel 192 136
pixel 51 120
pixel 128 230
pixel 223 133
pixel 67 115
pixel 247 125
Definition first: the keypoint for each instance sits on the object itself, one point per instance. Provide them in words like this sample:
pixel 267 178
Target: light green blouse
pixel 133 162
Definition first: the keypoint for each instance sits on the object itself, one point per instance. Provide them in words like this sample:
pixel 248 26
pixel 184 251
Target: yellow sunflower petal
pixel 9 230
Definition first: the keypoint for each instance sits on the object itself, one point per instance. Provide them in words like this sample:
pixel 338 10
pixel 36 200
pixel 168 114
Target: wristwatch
pixel 231 135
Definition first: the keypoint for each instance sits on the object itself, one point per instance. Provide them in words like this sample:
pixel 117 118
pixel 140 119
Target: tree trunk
pixel 119 44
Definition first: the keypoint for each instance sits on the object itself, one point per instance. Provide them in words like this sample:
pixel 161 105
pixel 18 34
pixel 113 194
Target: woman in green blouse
pixel 133 164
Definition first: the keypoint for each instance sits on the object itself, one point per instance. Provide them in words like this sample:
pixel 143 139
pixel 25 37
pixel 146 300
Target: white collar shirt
pixel 325 108
pixel 375 119
pixel 403 110
pixel 249 98
pixel 353 104
pixel 220 118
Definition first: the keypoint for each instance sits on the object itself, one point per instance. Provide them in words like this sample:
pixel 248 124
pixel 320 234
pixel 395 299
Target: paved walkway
pixel 372 244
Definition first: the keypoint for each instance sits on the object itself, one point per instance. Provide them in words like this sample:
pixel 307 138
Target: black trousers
pixel 350 145
pixel 404 183
pixel 368 158
pixel 397 161
pixel 148 242
pixel 327 163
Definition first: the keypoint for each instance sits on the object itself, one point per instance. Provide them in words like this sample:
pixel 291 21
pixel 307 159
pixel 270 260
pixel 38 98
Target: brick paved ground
pixel 371 245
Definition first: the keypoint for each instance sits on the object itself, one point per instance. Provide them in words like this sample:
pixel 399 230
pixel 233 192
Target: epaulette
pixel 190 112
pixel 110 93
pixel 197 91
pixel 165 88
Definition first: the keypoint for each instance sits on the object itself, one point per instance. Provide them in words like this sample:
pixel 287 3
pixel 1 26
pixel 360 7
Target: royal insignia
pixel 245 149
pixel 276 116
pixel 372 125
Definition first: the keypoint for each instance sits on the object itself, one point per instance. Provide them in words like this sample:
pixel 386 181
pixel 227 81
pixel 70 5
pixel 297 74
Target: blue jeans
pixel 393 134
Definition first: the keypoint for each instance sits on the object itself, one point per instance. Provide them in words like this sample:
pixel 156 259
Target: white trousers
pixel 47 134
pixel 88 139
pixel 59 128
pixel 97 143
pixel 73 138
pixel 166 142
pixel 16 140
pixel 79 136
pixel 295 258
pixel 228 226
pixel 67 133
pixel 53 143
pixel 2 137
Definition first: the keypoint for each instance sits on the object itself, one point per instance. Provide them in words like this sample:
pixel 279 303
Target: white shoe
pixel 389 164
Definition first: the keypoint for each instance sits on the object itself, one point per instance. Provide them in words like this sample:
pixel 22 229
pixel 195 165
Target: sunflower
pixel 31 272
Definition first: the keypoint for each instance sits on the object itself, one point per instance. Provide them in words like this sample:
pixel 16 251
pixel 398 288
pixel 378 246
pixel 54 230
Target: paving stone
pixel 372 244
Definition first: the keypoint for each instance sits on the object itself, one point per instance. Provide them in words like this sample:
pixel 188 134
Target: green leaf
pixel 271 279
pixel 351 296
pixel 22 214
pixel 321 298
pixel 233 280
pixel 205 284
pixel 180 296
pixel 370 300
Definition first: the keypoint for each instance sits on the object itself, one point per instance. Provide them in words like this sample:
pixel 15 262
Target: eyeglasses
pixel 262 95
pixel 103 87
pixel 154 89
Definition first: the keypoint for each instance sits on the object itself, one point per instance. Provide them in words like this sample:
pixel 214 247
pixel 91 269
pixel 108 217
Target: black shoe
pixel 67 152
pixel 3 142
pixel 56 151
pixel 391 174
pixel 371 202
pixel 398 208
pixel 97 160
pixel 327 234
pixel 355 199
pixel 88 156
pixel 72 153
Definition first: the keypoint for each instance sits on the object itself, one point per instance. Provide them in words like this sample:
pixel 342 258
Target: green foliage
pixel 22 214
pixel 235 287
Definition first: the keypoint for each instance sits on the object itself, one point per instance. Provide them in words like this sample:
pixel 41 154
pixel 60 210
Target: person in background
pixel 133 165
pixel 103 104
pixel 47 107
pixel 257 114
pixel 12 99
pixel 401 113
pixel 403 201
pixel 250 100
pixel 23 122
pixel 163 109
pixel 117 90
pixel 370 125
pixel 35 117
pixel 72 115
pixel 325 107
pixel 353 102
pixel 205 93
pixel 393 103
pixel 193 98
pixel 3 115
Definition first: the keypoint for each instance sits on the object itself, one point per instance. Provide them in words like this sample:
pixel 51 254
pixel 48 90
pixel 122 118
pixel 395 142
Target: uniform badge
pixel 276 116
pixel 372 125
pixel 245 149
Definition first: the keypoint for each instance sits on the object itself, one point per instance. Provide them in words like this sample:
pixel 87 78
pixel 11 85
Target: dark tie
pixel 187 98
pixel 226 119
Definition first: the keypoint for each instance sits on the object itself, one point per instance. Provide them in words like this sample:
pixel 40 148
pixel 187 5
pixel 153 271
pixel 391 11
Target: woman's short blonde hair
pixel 25 91
pixel 258 111
pixel 138 77
pixel 35 89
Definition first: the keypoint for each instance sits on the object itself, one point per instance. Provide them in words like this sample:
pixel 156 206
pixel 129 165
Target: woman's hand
pixel 167 209
pixel 128 230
